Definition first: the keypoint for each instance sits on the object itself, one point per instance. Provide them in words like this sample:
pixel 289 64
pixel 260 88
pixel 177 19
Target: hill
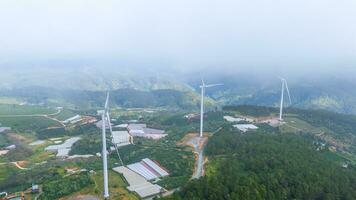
pixel 336 129
pixel 84 99
pixel 310 156
pixel 69 75
pixel 332 92
pixel 268 166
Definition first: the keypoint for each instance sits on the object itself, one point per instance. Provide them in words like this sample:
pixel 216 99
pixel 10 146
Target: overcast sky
pixel 182 34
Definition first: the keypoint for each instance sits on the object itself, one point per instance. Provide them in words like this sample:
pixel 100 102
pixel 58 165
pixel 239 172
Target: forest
pixel 251 110
pixel 268 166
pixel 65 186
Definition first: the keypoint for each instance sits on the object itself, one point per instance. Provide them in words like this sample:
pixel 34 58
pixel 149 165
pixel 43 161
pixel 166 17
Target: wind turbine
pixel 284 86
pixel 203 86
pixel 104 115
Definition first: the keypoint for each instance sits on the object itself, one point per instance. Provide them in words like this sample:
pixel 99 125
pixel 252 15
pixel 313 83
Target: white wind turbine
pixel 203 86
pixel 284 85
pixel 106 118
pixel 110 126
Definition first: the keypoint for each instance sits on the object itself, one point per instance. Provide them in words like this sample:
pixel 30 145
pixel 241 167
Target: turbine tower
pixel 284 86
pixel 110 128
pixel 203 86
pixel 104 118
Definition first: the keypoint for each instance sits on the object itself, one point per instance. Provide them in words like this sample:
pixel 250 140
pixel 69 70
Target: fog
pixel 282 37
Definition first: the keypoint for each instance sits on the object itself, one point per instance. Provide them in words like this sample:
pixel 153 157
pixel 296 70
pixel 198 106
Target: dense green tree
pixel 268 166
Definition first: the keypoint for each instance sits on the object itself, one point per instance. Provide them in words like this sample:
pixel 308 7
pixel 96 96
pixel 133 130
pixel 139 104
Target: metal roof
pixel 155 167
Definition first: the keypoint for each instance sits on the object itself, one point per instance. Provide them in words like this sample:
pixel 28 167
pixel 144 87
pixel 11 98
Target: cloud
pixel 182 34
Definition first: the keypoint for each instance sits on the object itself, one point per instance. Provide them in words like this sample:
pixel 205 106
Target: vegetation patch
pixel 65 186
pixel 249 110
pixel 14 109
pixel 269 166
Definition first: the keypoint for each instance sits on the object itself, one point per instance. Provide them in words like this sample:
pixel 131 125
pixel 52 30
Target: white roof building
pixel 245 127
pixel 141 130
pixel 136 126
pixel 148 169
pixel 232 119
pixel 143 171
pixel 63 149
pixel 11 147
pixel 155 167
pixel 99 124
pixel 3 129
pixel 63 152
pixel 121 138
pixel 121 126
pixel 138 183
pixel 73 120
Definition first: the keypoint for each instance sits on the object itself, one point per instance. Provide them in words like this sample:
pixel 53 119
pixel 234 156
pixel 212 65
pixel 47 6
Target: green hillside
pixel 128 98
pixel 304 158
pixel 269 166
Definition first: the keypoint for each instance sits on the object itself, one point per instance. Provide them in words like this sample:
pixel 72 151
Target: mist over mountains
pixel 332 91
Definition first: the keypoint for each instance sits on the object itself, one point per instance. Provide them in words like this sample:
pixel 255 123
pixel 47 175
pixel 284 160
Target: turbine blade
pixel 286 84
pixel 213 85
pixel 107 101
pixel 109 121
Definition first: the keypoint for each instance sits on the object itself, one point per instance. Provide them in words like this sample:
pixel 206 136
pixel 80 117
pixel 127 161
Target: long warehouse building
pixel 148 169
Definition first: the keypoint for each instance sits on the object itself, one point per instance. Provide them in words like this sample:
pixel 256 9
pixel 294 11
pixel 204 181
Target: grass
pixel 9 100
pixel 65 114
pixel 295 125
pixel 4 141
pixel 39 154
pixel 334 156
pixel 7 109
pixel 348 156
pixel 28 123
pixel 6 170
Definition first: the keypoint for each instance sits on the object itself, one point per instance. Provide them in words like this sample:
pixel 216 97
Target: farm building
pixel 148 169
pixel 99 124
pixel 232 119
pixel 62 150
pixel 11 147
pixel 121 126
pixel 121 138
pixel 192 116
pixel 138 183
pixel 141 130
pixel 136 126
pixel 3 129
pixel 73 120
pixel 35 188
pixel 245 127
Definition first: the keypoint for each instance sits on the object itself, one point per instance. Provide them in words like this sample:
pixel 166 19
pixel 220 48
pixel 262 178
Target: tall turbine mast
pixel 202 107
pixel 110 128
pixel 104 152
pixel 282 101
pixel 203 86
pixel 284 86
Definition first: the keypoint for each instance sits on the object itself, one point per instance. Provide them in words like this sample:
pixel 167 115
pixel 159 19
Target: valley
pixel 177 100
pixel 34 128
